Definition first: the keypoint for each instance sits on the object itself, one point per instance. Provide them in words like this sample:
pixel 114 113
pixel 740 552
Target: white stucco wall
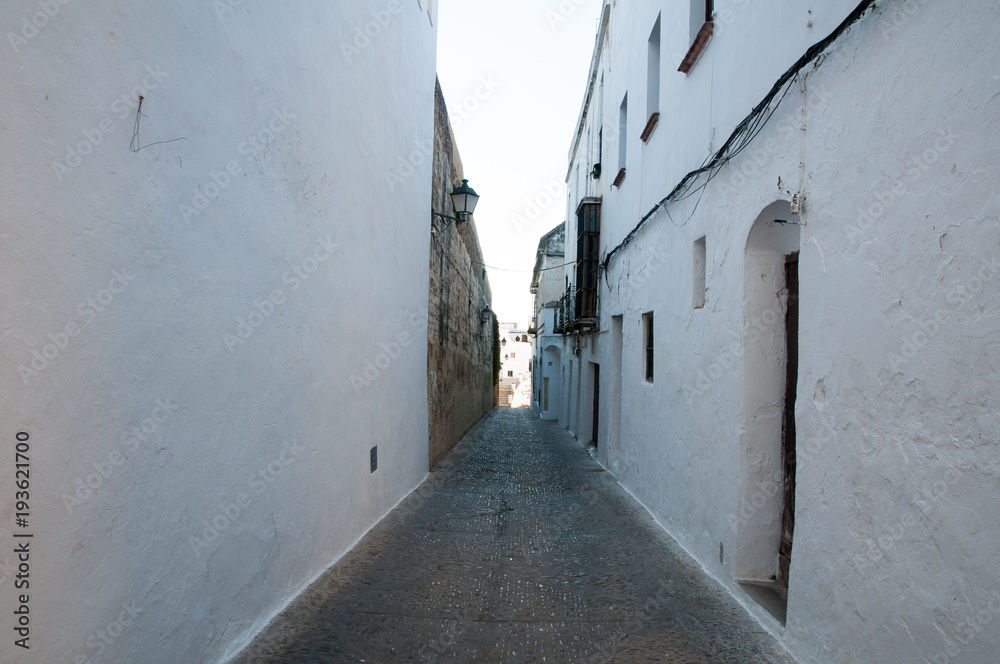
pixel 895 553
pixel 191 314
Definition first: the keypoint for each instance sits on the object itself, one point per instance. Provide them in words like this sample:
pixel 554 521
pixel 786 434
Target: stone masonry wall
pixel 460 380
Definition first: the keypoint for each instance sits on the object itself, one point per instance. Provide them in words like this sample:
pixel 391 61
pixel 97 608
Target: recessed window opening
pixel 622 140
pixel 701 13
pixel 652 81
pixel 702 28
pixel 653 71
pixel 700 267
pixel 600 123
pixel 623 132
pixel 647 333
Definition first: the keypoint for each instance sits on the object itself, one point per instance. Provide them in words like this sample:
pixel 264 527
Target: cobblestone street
pixel 517 548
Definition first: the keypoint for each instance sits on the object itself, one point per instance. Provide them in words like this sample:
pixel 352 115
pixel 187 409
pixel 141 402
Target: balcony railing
pixel 573 314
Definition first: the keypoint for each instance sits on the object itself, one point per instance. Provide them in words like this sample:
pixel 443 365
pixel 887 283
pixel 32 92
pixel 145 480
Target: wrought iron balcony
pixel 575 313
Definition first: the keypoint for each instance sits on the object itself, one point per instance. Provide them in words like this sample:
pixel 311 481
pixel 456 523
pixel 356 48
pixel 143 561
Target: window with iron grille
pixel 647 325
pixel 588 217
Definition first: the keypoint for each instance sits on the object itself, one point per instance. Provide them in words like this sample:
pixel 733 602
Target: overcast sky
pixel 514 75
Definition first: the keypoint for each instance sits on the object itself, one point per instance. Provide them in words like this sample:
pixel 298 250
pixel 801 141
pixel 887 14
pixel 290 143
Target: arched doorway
pixel 551 388
pixel 765 518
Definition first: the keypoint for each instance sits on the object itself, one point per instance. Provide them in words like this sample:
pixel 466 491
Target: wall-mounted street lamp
pixel 485 315
pixel 463 199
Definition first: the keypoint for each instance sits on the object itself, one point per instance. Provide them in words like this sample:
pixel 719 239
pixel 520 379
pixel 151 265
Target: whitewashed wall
pixel 896 550
pixel 204 338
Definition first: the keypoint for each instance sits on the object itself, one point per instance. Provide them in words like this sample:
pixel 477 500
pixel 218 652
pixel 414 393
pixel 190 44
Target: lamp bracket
pixel 446 218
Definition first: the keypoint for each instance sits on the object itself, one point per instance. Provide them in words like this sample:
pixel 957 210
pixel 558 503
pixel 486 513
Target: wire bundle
pixel 745 132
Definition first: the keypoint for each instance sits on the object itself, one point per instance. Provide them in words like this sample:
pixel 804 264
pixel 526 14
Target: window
pixel 510 374
pixel 701 13
pixel 600 131
pixel 590 154
pixel 513 355
pixel 652 82
pixel 698 297
pixel 588 225
pixel 622 140
pixel 647 333
pixel 702 27
pixel 600 154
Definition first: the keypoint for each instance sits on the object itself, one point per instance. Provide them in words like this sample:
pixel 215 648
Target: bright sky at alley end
pixel 514 75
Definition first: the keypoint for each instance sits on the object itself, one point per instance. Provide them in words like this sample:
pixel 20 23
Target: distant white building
pixel 548 286
pixel 515 360
pixel 782 330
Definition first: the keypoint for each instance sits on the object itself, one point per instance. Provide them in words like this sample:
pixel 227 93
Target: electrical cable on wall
pixel 744 133
pixel 544 269
pixel 134 145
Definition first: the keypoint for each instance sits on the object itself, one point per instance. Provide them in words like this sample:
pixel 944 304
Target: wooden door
pixel 597 401
pixel 788 420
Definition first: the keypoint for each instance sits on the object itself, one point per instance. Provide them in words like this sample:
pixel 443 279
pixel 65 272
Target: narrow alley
pixel 517 548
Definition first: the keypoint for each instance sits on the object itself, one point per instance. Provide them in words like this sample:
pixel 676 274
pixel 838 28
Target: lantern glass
pixel 464 198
